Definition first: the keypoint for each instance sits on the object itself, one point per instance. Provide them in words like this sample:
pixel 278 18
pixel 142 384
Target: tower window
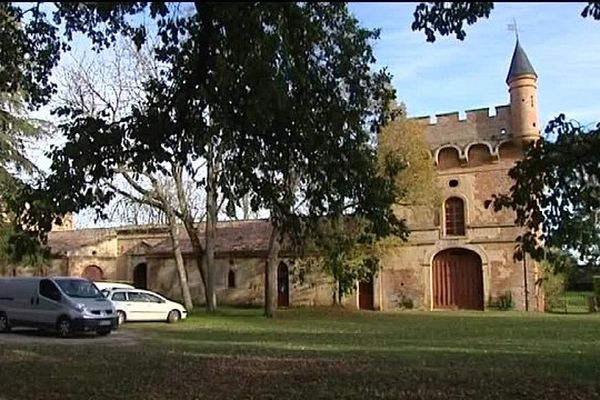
pixel 453 183
pixel 231 279
pixel 455 216
pixel 531 101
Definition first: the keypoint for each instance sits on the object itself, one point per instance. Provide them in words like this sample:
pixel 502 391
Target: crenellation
pixel 478 114
pixel 447 118
pixel 478 125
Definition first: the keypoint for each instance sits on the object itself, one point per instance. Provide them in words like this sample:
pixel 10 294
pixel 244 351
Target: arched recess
pixel 231 279
pixel 283 285
pixel 479 154
pixel 93 273
pixel 508 150
pixel 457 280
pixel 448 157
pixel 140 276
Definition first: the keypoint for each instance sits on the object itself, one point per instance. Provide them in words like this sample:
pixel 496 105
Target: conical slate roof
pixel 520 64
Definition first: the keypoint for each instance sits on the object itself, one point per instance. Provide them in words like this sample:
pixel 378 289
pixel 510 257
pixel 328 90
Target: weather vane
pixel 513 27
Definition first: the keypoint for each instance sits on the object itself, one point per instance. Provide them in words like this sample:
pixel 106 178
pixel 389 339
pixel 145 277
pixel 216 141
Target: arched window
pixel 231 279
pixel 455 216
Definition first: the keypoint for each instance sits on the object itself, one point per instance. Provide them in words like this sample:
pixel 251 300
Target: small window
pixel 455 217
pixel 119 296
pixel 503 132
pixel 49 290
pixel 231 279
pixel 453 183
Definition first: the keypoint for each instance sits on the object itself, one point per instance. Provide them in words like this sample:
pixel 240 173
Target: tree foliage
pixel 448 18
pixel 403 141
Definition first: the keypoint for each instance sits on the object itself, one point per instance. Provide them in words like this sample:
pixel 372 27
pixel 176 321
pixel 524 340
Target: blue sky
pixel 453 75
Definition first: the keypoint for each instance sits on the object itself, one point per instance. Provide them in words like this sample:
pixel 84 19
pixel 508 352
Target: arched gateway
pixel 457 279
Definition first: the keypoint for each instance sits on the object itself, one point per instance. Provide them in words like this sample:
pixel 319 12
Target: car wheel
pixel 121 317
pixel 173 317
pixel 103 332
pixel 4 323
pixel 64 328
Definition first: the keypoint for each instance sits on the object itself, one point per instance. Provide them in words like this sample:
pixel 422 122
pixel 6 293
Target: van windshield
pixel 79 288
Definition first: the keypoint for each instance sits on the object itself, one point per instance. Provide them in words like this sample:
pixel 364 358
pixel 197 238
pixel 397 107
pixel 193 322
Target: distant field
pixel 319 354
pixel 572 303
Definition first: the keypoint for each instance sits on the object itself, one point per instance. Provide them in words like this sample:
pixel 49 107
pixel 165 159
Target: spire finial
pixel 513 27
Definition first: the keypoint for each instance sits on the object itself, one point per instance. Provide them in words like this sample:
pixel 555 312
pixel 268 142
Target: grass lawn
pixel 321 353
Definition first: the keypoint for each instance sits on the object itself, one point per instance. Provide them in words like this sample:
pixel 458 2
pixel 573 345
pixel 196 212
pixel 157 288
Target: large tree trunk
pixel 199 255
pixel 180 265
pixel 211 227
pixel 271 273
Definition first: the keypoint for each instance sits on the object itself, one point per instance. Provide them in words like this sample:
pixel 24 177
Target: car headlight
pixel 80 307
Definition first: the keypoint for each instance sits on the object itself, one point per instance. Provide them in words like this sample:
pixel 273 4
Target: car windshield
pixel 79 288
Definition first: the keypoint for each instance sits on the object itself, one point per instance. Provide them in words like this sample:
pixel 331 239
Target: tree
pixel 109 86
pixel 404 140
pixel 555 194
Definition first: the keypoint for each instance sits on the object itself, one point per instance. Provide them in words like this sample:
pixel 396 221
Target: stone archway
pixel 93 273
pixel 140 276
pixel 457 279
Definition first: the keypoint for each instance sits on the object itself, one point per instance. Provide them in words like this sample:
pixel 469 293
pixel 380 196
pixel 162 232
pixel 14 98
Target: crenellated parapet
pixel 481 124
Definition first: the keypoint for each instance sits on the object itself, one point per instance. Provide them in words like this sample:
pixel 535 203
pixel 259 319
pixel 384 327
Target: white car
pixel 144 305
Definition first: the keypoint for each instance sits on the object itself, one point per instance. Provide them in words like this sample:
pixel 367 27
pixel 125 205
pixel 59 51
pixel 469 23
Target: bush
pixel 553 285
pixel 405 302
pixel 504 301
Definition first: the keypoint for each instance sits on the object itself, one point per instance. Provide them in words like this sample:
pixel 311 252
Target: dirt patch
pixel 29 336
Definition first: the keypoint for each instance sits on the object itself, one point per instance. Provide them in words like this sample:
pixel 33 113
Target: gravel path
pixel 121 337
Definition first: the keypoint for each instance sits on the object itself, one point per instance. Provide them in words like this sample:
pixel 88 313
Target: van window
pixel 49 290
pixel 119 296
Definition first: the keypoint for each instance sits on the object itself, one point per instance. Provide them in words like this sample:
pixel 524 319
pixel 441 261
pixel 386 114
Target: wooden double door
pixel 457 280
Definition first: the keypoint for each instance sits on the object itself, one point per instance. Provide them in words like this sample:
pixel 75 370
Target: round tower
pixel 522 83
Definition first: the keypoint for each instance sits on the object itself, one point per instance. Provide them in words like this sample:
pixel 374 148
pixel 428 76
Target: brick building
pixel 458 257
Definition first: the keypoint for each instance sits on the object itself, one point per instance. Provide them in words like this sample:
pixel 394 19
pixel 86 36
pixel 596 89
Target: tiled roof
pixel 232 237
pixel 62 241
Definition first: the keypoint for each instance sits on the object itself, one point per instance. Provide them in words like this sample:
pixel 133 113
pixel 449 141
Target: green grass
pixel 322 353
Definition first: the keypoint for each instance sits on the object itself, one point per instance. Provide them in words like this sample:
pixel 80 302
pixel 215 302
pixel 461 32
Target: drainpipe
pixel 526 292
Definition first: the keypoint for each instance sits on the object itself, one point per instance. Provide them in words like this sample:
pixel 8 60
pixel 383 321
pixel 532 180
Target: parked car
pixel 64 304
pixel 105 286
pixel 144 305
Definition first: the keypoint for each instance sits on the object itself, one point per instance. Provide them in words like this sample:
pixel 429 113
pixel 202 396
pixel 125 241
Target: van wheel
pixel 121 317
pixel 64 328
pixel 4 323
pixel 103 332
pixel 173 317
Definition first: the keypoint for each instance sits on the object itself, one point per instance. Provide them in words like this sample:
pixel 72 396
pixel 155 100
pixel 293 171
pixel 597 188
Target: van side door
pixel 48 303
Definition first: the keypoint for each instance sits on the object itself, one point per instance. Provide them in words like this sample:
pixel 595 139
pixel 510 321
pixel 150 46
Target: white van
pixel 64 304
pixel 105 286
